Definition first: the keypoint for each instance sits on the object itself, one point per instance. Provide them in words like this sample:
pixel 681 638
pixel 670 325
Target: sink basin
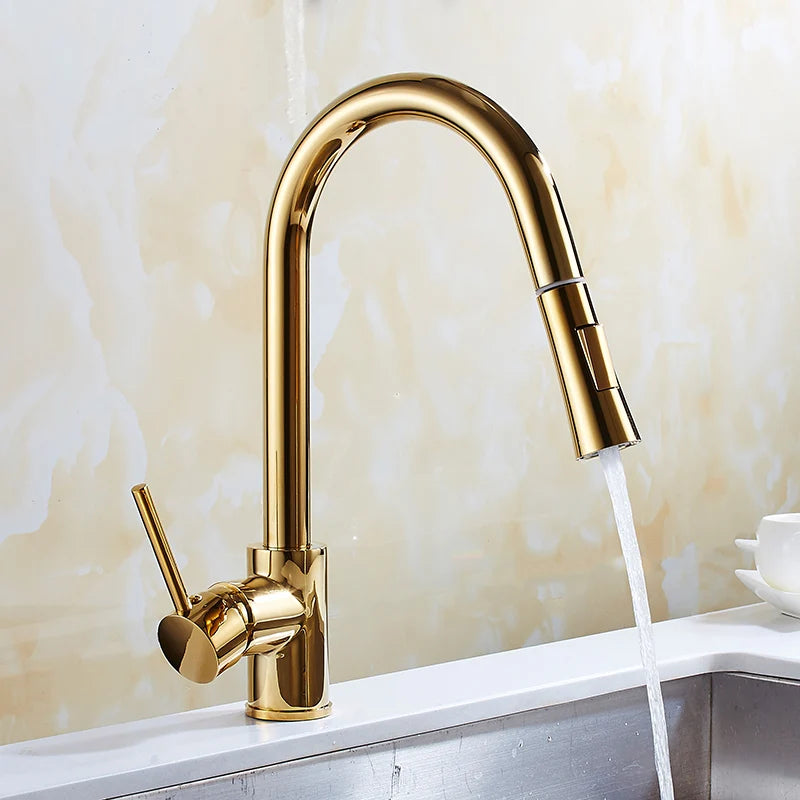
pixel 566 721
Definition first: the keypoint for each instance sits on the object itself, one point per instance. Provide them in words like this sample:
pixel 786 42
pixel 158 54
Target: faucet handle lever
pixel 166 561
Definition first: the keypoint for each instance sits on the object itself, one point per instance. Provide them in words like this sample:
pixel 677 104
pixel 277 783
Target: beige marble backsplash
pixel 141 142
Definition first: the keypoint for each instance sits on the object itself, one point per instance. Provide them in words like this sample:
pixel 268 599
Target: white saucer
pixel 786 602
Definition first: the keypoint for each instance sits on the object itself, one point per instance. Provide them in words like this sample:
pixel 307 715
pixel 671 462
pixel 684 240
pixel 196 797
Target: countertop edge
pixel 166 751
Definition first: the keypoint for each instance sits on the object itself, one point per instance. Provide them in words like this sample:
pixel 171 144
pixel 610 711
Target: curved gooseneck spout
pixel 596 408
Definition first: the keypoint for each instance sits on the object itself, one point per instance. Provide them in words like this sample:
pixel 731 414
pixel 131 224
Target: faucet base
pixel 291 683
pixel 297 715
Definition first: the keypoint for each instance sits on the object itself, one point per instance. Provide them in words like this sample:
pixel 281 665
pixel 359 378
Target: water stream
pixel 618 489
pixel 294 51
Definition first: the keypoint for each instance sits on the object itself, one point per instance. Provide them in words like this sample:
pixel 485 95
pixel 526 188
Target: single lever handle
pixel 214 629
pixel 157 537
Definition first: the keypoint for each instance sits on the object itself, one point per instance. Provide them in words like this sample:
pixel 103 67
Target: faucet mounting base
pixel 288 716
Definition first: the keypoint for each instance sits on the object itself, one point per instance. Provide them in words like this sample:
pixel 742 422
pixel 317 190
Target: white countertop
pixel 138 756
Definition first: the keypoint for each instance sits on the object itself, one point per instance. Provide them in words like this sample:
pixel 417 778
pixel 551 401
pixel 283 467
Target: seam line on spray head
pixel 556 284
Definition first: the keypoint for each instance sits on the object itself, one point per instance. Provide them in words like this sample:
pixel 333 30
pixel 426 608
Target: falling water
pixel 618 489
pixel 293 35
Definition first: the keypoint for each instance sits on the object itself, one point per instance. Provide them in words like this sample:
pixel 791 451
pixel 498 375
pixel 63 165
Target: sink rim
pixel 162 751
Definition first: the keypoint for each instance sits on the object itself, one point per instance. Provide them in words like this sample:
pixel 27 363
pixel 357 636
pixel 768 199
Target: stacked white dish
pixel 776 578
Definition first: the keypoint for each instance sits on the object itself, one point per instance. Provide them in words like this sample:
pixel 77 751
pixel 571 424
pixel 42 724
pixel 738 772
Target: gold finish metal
pixel 595 350
pixel 596 408
pixel 546 238
pixel 278 614
pixel 158 539
pixel 292 683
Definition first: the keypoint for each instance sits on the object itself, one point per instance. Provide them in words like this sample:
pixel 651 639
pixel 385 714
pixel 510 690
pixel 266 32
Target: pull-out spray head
pixel 598 414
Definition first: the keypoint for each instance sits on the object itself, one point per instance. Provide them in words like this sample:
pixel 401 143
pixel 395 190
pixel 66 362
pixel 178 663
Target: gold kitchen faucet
pixel 278 614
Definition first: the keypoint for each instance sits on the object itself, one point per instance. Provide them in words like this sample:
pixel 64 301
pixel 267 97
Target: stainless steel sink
pixel 733 736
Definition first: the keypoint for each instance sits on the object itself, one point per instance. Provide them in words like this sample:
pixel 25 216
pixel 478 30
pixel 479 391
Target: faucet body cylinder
pixel 291 682
pixel 597 412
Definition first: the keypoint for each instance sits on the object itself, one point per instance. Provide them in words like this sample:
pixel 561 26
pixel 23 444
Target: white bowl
pixel 777 550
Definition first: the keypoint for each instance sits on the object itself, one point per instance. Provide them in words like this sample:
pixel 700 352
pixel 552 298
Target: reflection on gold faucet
pixel 278 614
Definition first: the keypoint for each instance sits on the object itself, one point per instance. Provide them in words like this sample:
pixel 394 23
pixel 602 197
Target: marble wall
pixel 141 142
